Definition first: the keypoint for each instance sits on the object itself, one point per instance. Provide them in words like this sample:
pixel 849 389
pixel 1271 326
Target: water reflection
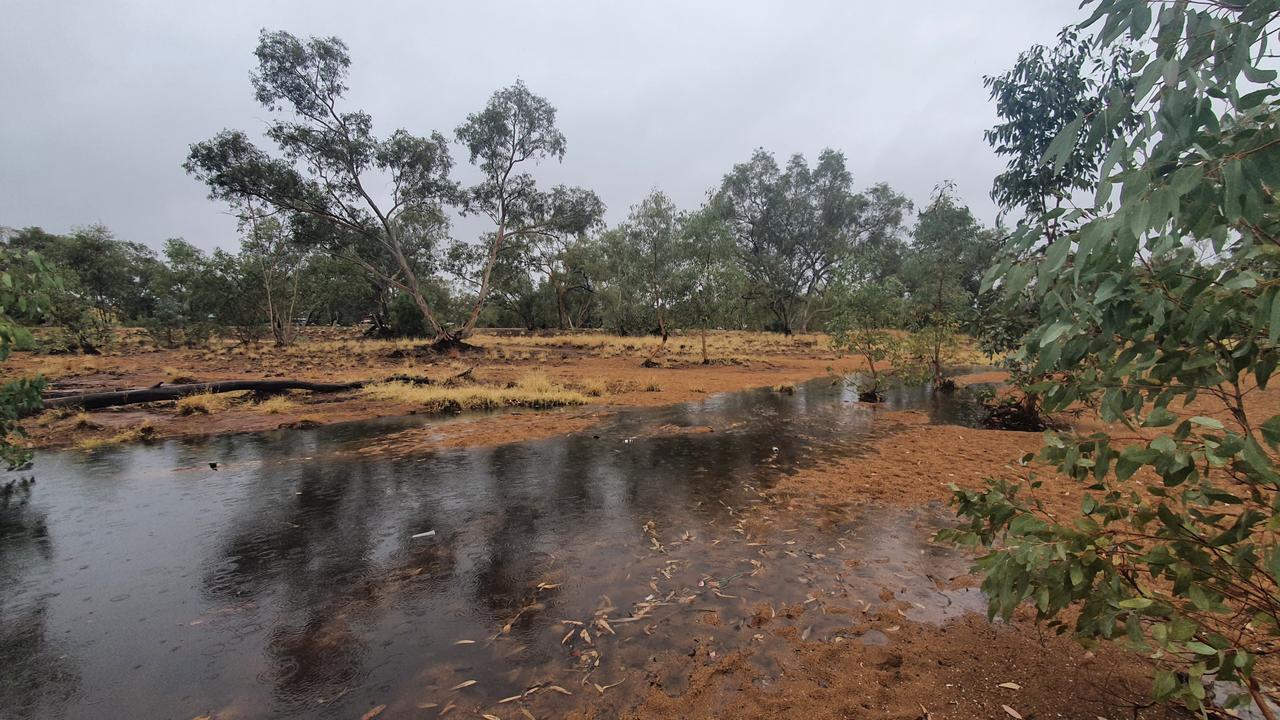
pixel 35 667
pixel 289 583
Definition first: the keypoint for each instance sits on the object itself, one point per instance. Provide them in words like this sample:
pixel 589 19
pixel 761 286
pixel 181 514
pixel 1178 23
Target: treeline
pixel 775 248
pixel 343 227
pixel 182 294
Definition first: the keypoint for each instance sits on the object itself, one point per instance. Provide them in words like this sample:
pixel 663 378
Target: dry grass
pixel 594 387
pixel 277 405
pixel 724 345
pixel 537 382
pixel 138 433
pixel 203 404
pixel 534 390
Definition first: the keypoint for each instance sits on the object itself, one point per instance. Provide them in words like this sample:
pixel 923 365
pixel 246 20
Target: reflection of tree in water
pixel 24 536
pixel 516 520
pixel 563 493
pixel 309 542
pixel 317 657
pixel 328 542
pixel 35 669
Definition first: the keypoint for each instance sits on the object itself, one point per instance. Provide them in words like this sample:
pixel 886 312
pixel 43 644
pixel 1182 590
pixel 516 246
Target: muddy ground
pixel 899 667
pixel 608 369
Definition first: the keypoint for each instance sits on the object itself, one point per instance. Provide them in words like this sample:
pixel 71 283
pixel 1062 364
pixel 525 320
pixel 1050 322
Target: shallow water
pixel 140 582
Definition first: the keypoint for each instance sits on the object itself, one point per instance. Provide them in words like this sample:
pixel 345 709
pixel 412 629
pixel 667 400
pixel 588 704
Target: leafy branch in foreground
pixel 1162 310
pixel 25 286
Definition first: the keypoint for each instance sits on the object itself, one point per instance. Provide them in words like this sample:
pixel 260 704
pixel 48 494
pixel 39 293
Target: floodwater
pixel 307 577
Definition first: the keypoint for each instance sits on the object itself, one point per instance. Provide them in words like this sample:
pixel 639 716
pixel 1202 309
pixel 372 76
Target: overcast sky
pixel 101 99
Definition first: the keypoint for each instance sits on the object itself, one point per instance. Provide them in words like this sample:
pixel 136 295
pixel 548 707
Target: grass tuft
pixel 594 387
pixel 537 382
pixel 140 432
pixel 276 405
pixel 530 392
pixel 203 404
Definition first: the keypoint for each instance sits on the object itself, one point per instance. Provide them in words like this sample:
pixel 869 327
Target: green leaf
pixel 1054 332
pixel 1062 145
pixel 1271 431
pixel 1273 322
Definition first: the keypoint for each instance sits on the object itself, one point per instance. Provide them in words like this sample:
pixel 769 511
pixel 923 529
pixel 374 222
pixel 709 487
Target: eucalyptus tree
pixel 199 292
pixel 336 293
pixel 714 283
pixel 273 258
pixel 793 226
pixel 1049 92
pixel 1044 93
pixel 622 293
pixel 563 259
pixel 512 288
pixel 1180 560
pixel 327 156
pixel 516 129
pixel 947 245
pixel 567 265
pixel 862 323
pixel 654 231
pixel 105 273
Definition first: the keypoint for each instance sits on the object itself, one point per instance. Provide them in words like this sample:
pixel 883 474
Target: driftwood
pixel 98 400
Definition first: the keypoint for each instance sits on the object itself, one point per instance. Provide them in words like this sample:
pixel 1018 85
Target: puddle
pixel 139 582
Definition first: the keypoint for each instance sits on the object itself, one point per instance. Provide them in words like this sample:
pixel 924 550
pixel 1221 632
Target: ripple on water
pixel 289 583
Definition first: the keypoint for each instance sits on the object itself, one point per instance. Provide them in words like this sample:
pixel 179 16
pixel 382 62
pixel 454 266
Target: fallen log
pixel 99 400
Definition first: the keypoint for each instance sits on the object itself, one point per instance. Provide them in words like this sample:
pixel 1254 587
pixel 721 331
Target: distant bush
pixel 405 320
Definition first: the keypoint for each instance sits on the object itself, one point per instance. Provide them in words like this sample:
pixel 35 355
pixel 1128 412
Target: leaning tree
pixel 326 158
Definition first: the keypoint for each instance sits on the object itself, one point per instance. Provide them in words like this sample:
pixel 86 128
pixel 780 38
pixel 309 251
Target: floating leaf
pixel 463 684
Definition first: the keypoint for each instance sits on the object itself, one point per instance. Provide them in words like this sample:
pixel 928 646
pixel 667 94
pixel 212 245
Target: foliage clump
pixel 1158 304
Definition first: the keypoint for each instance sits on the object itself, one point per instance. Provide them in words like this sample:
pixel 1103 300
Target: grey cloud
pixel 102 98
